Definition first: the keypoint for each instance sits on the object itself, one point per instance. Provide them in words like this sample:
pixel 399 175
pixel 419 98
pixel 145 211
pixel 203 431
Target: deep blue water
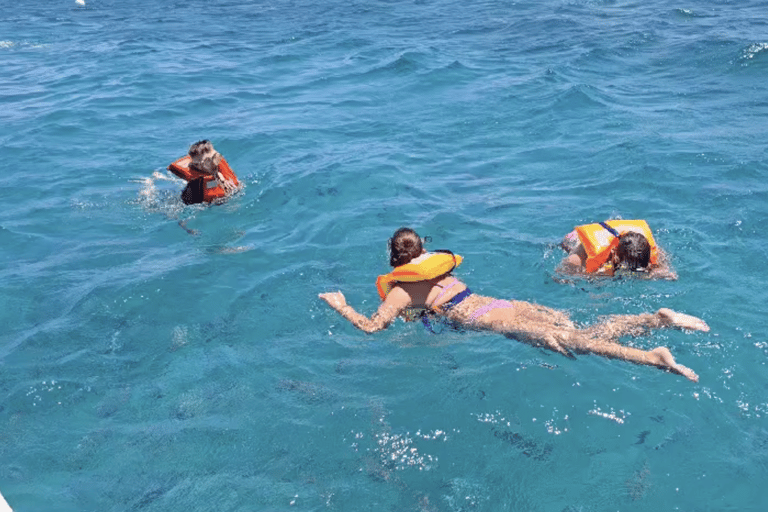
pixel 144 368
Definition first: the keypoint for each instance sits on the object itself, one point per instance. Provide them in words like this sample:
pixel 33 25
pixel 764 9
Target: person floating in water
pixel 421 282
pixel 209 177
pixel 603 248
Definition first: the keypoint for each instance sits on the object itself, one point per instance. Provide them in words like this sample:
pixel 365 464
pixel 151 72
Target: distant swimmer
pixel 209 177
pixel 421 285
pixel 605 248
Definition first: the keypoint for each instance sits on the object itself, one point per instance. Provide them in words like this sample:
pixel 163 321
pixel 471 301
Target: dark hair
pixel 634 251
pixel 404 246
pixel 200 147
pixel 204 157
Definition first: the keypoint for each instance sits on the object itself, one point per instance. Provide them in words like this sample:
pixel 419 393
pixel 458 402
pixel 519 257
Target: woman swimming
pixel 446 296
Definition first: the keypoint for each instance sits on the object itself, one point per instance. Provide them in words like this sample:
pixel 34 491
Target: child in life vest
pixel 605 248
pixel 209 177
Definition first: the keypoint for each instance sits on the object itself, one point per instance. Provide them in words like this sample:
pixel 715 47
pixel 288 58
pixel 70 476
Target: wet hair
pixel 404 246
pixel 204 157
pixel 200 148
pixel 634 251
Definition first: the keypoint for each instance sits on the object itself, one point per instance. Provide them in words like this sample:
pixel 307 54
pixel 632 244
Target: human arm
pixel 574 262
pixel 226 177
pixel 397 300
pixel 663 270
pixel 226 185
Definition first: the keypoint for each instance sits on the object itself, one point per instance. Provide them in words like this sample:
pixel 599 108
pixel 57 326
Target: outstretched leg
pixel 682 321
pixel 552 329
pixel 613 327
pixel 659 357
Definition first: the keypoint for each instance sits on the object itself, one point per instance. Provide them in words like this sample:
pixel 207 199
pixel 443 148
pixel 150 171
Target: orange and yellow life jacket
pixel 181 169
pixel 600 238
pixel 423 268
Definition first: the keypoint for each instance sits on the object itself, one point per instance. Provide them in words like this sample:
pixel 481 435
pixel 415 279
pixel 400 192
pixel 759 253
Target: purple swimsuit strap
pixel 494 304
pixel 445 289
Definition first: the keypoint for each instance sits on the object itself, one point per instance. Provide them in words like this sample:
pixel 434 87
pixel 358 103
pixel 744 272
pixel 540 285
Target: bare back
pixel 433 293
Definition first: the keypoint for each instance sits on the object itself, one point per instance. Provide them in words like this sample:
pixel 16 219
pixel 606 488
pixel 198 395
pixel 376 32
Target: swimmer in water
pixel 209 177
pixel 599 250
pixel 447 297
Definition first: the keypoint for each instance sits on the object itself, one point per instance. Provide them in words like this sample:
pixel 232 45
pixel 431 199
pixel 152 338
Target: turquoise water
pixel 146 368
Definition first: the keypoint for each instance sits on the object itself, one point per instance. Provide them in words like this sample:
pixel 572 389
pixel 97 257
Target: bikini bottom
pixel 494 304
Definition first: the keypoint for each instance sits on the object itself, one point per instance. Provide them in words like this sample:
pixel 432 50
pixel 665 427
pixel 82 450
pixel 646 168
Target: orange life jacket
pixel 181 169
pixel 430 266
pixel 600 238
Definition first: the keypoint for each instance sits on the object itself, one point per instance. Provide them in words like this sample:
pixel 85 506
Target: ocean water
pixel 162 357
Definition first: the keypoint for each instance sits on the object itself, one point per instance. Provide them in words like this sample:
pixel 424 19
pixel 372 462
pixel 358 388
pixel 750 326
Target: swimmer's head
pixel 634 251
pixel 204 157
pixel 404 246
pixel 201 149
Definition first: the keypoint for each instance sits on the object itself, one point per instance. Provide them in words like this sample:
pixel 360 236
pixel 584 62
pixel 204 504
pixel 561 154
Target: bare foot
pixel 668 362
pixel 682 320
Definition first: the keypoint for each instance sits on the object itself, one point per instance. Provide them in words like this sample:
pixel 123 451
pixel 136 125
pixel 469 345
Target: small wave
pixel 578 97
pixel 618 418
pixel 408 62
pixel 5 45
pixel 688 13
pixel 156 200
pixel 148 190
pixel 754 50
pixel 402 64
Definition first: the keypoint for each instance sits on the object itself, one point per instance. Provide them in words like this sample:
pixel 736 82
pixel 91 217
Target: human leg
pixel 553 329
pixel 530 323
pixel 615 326
pixel 681 321
pixel 659 357
pixel 602 338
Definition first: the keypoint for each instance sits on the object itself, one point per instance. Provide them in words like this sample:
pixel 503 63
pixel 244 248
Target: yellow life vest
pixel 428 266
pixel 598 240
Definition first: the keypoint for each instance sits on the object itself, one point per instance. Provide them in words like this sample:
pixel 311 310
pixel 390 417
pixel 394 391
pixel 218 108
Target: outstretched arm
pixel 573 263
pixel 385 315
pixel 663 270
